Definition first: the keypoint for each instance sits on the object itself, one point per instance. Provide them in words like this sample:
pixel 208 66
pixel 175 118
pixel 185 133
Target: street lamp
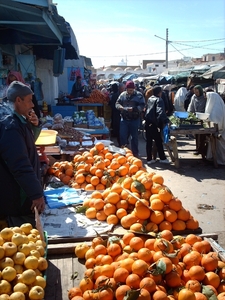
pixel 167 42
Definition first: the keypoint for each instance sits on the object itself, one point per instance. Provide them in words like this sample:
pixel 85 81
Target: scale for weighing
pixel 46 138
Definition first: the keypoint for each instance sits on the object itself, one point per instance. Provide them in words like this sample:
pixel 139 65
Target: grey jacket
pixel 197 104
pixel 136 101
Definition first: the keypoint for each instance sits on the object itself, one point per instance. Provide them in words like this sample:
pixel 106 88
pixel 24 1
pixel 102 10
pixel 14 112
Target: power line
pixel 202 41
pixel 153 53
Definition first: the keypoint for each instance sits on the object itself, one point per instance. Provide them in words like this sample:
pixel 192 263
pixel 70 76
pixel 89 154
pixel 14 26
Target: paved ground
pixel 195 182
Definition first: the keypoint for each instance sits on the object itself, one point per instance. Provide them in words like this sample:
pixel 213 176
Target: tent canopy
pixel 35 25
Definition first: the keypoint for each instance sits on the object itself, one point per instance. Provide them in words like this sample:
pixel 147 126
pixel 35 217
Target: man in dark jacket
pixel 155 119
pixel 130 104
pixel 188 96
pixel 20 179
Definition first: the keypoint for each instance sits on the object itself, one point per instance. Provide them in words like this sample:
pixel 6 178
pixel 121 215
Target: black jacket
pixel 155 112
pixel 20 179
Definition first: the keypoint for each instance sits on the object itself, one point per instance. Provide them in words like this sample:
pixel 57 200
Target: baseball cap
pixel 17 89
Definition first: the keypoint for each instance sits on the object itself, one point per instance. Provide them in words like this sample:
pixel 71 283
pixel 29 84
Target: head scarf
pixel 18 76
pixel 199 87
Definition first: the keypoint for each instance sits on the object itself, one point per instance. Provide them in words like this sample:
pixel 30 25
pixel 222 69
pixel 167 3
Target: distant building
pixel 213 57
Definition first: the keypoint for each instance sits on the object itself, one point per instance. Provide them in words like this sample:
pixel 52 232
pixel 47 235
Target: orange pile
pixel 158 209
pixel 96 169
pixel 167 267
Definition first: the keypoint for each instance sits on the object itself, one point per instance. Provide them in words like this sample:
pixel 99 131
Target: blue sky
pixel 109 31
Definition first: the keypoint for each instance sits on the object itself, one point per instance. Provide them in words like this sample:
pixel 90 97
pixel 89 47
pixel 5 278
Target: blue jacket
pixel 20 178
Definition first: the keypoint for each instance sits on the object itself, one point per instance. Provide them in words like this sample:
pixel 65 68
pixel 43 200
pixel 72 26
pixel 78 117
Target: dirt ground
pixel 195 183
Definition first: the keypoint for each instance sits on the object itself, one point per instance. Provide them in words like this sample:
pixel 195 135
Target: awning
pixel 37 26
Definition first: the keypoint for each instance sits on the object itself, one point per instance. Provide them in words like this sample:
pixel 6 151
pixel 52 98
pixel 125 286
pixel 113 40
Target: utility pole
pixel 167 43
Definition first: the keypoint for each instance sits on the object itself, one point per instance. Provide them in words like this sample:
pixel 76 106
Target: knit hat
pixel 130 84
pixel 17 89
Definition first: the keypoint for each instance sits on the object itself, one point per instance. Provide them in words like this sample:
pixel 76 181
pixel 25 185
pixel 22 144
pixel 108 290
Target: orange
pixel 127 182
pixel 121 291
pixel 121 212
pixel 133 281
pixel 179 225
pixel 127 237
pixel 192 259
pixel 159 295
pixel 99 204
pixel 175 204
pixel 122 204
pixel 120 275
pixel 193 285
pixel 211 278
pixel 170 215
pixel 109 209
pixel 139 267
pixel 192 224
pixel 112 198
pixel 112 219
pixel 165 225
pixel 142 212
pixel 114 249
pixel 157 204
pixel 100 215
pixel 127 264
pixel 210 261
pixel 156 178
pixel 183 214
pixel 95 180
pixel 186 294
pixel 90 213
pixel 136 243
pixel 116 187
pixel 157 217
pixel 145 254
pixel 165 194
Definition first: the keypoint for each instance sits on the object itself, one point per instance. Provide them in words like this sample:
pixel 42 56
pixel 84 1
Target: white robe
pixel 179 99
pixel 215 107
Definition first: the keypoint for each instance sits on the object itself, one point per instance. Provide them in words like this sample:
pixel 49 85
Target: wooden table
pixel 172 145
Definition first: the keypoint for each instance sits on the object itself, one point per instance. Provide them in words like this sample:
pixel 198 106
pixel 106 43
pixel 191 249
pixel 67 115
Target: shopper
pixel 198 100
pixel 216 109
pixel 130 104
pixel 155 119
pixel 188 96
pixel 20 180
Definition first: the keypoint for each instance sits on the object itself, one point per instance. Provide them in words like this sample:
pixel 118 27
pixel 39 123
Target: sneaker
pixel 164 161
pixel 151 161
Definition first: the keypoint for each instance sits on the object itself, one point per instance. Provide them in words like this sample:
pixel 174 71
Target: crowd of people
pixel 155 104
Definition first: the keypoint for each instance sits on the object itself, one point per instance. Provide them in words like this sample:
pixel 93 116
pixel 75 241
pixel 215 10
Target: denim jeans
pixel 129 128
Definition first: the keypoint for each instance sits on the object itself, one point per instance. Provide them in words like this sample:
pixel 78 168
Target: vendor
pixel 77 89
pixel 20 178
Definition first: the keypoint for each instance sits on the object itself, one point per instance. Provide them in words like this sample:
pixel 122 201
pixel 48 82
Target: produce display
pixel 95 97
pixel 96 169
pixel 166 267
pixel 131 196
pixel 67 131
pixel 22 263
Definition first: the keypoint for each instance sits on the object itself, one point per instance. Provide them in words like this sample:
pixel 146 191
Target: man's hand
pixel 32 118
pixel 39 203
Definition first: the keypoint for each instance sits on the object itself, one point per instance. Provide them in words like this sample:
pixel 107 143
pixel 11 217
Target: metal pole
pixel 167 48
